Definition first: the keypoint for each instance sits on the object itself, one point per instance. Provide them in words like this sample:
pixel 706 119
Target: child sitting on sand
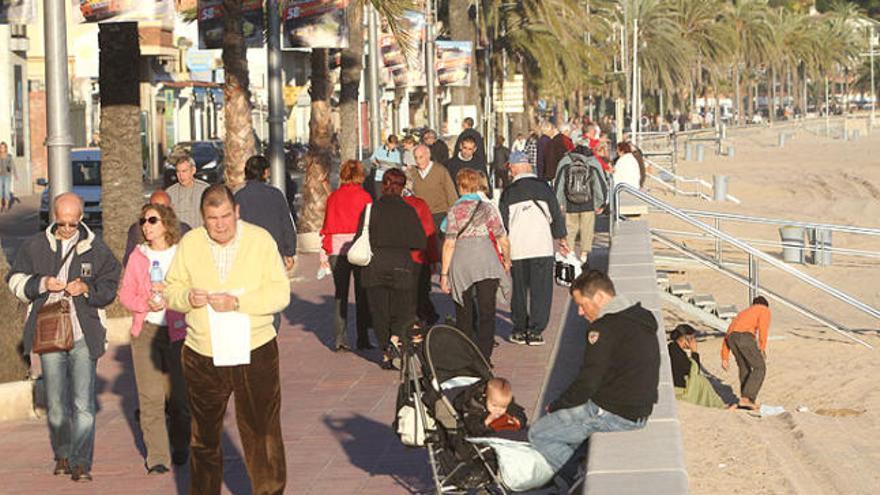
pixel 487 408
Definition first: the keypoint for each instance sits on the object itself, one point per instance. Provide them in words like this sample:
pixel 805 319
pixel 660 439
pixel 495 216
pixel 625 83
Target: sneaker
pixel 61 467
pixel 79 474
pixel 518 338
pixel 158 469
pixel 534 339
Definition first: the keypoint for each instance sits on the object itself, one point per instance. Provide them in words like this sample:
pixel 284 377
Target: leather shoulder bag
pixel 54 332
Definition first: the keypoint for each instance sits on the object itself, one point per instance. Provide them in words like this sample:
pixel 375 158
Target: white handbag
pixel 361 252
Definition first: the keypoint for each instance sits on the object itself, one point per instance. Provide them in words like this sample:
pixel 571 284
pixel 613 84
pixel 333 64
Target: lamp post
pixel 375 111
pixel 276 98
pixel 58 140
pixel 430 74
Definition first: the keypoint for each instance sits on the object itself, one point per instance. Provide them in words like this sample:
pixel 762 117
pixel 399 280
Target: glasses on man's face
pixel 152 220
pixel 73 225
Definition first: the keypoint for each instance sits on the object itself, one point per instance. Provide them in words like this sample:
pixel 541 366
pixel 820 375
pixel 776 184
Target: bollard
pixel 820 239
pixel 688 152
pixel 701 151
pixel 792 244
pixel 855 134
pixel 723 130
pixel 781 140
pixel 719 188
pixel 731 151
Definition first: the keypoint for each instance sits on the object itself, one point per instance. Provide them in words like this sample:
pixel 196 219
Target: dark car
pixel 208 156
pixel 86 164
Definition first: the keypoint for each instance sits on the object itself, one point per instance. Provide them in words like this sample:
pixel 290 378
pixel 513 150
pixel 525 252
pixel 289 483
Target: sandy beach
pixel 828 440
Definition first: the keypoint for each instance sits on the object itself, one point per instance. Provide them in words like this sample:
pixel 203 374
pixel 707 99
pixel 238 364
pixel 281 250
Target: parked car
pixel 208 156
pixel 86 165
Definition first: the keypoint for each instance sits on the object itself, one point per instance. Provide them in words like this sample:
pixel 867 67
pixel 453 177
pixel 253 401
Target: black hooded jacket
pixel 621 365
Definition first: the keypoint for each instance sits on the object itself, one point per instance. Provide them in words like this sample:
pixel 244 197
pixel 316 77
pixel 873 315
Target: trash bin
pixel 731 151
pixel 792 244
pixel 781 139
pixel 701 151
pixel 719 187
pixel 820 241
pixel 688 152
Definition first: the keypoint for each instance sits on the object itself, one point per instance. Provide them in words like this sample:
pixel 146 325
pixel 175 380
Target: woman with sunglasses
pixel 157 336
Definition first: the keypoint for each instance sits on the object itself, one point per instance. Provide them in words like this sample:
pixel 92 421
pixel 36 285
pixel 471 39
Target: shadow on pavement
pixel 375 448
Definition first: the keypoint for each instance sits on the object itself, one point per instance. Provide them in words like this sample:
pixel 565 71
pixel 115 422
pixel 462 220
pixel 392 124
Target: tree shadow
pixel 375 448
pixel 126 387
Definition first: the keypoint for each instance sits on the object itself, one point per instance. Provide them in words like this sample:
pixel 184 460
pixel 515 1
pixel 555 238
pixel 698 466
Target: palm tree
pixel 748 20
pixel 239 142
pixel 350 79
pixel 121 161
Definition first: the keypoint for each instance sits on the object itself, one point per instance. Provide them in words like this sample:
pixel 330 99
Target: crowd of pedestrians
pixel 201 258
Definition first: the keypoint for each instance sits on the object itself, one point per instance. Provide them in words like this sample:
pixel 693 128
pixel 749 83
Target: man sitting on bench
pixel 617 385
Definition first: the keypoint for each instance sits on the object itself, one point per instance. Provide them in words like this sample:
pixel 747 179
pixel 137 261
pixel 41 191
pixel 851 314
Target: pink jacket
pixel 134 292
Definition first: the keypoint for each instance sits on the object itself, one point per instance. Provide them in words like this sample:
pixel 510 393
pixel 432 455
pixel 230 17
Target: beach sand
pixel 828 441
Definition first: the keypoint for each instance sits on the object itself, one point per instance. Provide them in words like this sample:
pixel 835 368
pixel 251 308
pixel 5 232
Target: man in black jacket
pixel 467 130
pixel 67 262
pixel 616 388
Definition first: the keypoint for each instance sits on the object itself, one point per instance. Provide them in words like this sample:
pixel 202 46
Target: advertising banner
pixel 211 23
pixel 406 69
pixel 454 63
pixel 17 11
pixel 314 24
pixel 90 11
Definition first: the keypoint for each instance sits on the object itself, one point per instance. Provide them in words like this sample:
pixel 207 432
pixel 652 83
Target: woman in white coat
pixel 627 168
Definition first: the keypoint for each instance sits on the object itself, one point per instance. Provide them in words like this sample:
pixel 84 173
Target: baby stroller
pixel 431 375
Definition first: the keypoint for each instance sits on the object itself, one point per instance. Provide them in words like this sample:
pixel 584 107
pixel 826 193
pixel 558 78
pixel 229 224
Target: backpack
pixel 578 188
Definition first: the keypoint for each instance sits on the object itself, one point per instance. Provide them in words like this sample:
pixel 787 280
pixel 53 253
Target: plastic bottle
pixel 156 276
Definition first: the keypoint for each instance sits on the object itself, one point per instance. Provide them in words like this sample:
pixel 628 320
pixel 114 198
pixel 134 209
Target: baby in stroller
pixel 487 409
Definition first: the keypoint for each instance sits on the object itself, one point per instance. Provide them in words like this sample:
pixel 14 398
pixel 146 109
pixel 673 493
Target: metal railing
pixel 677 179
pixel 754 255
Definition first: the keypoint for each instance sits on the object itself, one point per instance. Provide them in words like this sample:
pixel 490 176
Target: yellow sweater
pixel 257 278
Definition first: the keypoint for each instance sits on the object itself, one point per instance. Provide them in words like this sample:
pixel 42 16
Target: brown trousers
pixel 159 378
pixel 257 390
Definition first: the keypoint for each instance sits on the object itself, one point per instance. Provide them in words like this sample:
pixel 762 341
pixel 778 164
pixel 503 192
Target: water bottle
pixel 156 276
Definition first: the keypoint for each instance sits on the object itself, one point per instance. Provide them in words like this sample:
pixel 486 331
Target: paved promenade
pixel 336 414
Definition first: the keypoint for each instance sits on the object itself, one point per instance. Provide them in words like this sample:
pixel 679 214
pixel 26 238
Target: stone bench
pixel 649 460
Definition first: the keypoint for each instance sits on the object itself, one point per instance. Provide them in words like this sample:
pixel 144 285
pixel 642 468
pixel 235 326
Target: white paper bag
pixel 230 337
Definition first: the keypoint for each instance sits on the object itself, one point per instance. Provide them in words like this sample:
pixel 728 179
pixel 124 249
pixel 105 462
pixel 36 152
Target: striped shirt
pixel 224 256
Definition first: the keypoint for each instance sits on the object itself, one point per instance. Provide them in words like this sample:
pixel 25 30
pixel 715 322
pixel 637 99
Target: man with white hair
pixel 531 215
pixel 66 263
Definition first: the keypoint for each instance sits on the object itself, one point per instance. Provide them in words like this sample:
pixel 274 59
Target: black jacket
pixel 439 152
pixel 395 230
pixel 265 206
pixel 621 365
pixel 456 164
pixel 681 364
pixel 40 256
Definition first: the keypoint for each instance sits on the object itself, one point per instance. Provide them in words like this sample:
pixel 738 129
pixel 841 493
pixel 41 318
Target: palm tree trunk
pixel 121 160
pixel 352 64
pixel 320 121
pixel 738 104
pixel 239 142
pixel 771 104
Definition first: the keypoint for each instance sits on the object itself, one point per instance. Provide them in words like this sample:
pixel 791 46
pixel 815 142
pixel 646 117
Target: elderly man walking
pixel 533 219
pixel 229 280
pixel 187 192
pixel 66 262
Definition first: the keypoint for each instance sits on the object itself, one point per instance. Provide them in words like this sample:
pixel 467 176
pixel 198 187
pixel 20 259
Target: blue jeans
pixel 559 433
pixel 6 187
pixel 70 394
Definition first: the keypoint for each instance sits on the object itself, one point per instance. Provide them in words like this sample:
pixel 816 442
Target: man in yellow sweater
pixel 225 275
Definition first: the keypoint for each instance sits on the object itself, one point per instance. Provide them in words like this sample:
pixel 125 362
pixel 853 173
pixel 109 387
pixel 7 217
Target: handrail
pixel 679 178
pixel 754 254
pixel 772 294
pixel 789 223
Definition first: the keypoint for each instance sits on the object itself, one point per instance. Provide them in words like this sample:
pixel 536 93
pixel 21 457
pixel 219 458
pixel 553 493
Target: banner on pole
pixel 91 11
pixel 454 63
pixel 211 23
pixel 314 24
pixel 405 69
pixel 17 11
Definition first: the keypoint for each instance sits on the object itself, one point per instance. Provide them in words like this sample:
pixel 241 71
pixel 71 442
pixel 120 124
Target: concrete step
pixel 704 301
pixel 726 312
pixel 681 290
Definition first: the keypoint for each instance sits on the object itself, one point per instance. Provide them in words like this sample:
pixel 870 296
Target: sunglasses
pixel 68 225
pixel 152 220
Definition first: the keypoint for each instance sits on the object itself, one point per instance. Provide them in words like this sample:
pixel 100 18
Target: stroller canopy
pixel 450 353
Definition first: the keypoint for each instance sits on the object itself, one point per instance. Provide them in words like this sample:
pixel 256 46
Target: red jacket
pixel 569 144
pixel 344 208
pixel 430 254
